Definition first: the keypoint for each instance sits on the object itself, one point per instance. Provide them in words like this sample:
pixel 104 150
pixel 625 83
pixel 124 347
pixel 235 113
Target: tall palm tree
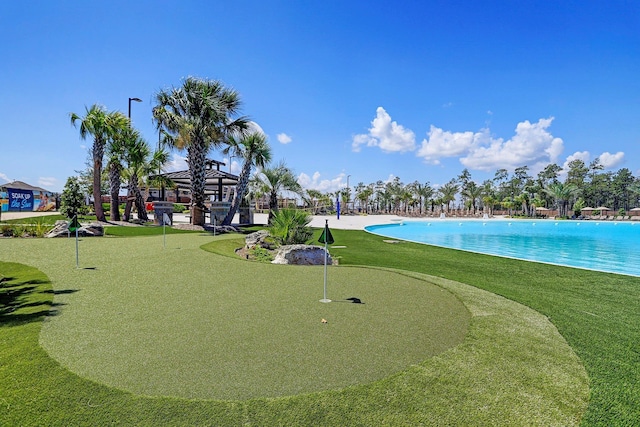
pixel 101 125
pixel 448 193
pixel 274 181
pixel 198 116
pixel 115 151
pixel 472 193
pixel 255 151
pixel 562 193
pixel 363 197
pixel 141 163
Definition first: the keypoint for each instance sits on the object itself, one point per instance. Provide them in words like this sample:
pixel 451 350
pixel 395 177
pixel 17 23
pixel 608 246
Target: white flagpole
pixel 165 220
pixel 75 220
pixel 326 228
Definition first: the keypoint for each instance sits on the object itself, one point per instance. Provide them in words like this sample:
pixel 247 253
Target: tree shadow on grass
pixel 26 301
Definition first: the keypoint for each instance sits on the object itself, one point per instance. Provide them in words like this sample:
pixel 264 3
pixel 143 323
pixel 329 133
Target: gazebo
pixel 215 179
pixel 215 182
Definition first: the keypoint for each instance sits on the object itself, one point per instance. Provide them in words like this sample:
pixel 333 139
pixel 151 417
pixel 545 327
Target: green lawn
pixel 597 313
pixel 136 307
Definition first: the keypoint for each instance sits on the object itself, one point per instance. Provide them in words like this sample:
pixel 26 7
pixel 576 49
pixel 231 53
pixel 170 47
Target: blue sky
pixel 371 90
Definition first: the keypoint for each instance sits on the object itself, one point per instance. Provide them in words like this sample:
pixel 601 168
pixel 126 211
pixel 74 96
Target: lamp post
pixel 348 194
pixel 132 99
pixel 128 206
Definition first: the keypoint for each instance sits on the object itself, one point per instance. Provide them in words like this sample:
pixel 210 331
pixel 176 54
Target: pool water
pixel 604 246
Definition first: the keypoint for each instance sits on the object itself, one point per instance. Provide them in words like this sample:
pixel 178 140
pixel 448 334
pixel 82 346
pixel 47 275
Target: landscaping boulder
pixel 61 229
pixel 301 255
pixel 260 238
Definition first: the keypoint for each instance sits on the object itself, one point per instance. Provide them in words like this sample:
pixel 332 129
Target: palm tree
pixel 197 117
pixel 313 199
pixel 141 163
pixel 422 192
pixel 448 192
pixel 101 125
pixel 472 193
pixel 255 151
pixel 274 181
pixel 563 194
pixel 115 149
pixel 363 197
pixel 508 203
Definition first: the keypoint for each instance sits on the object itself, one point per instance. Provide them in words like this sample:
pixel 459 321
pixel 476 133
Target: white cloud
pixel 531 145
pixel 609 160
pixel 5 177
pixel 47 182
pixel 177 163
pixel 323 185
pixel 283 138
pixel 386 134
pixel 441 143
pixel 585 156
pixel 254 127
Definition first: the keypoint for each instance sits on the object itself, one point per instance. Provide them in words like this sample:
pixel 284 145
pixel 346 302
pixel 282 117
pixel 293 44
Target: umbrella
pixel 540 208
pixel 602 208
pixel 635 209
pixel 588 208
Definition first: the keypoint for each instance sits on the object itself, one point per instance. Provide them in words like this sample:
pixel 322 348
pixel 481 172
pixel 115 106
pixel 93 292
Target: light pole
pixel 128 208
pixel 132 99
pixel 348 194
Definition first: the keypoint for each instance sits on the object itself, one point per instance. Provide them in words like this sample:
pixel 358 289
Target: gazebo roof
pixel 215 179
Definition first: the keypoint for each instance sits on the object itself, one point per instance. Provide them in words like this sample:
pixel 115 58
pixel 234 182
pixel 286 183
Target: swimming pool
pixel 604 246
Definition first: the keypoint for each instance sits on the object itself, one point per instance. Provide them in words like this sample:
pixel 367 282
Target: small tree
pixel 289 226
pixel 72 200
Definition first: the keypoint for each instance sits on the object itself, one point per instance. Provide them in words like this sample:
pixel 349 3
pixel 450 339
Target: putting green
pixel 186 323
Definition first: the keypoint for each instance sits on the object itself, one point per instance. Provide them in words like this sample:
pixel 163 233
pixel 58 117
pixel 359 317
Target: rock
pixel 259 238
pixel 301 255
pixel 61 229
pixel 221 229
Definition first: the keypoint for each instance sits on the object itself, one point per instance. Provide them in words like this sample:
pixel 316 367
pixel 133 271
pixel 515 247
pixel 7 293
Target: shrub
pixel 289 226
pixel 40 229
pixel 72 200
pixel 261 254
pixel 178 208
pixel 7 230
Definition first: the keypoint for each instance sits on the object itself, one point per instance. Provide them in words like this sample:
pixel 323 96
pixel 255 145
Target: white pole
pixel 325 269
pixel 75 221
pixel 164 233
pixel 326 253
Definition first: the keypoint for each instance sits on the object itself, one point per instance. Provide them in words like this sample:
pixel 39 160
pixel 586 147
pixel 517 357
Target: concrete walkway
pixel 346 222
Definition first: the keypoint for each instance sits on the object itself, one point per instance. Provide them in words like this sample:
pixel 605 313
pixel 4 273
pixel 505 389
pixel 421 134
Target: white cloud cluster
pixel 441 143
pixel 386 134
pixel 283 138
pixel 323 185
pixel 610 161
pixel 4 177
pixel 531 145
pixel 607 160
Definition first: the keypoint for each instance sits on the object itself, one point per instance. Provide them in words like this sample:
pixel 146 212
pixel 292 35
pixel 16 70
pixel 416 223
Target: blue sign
pixel 20 200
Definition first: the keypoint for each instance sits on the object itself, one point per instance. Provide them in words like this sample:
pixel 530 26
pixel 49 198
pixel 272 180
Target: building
pixel 18 196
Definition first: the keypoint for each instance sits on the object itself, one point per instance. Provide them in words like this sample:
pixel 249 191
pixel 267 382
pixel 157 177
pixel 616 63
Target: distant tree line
pixel 517 193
